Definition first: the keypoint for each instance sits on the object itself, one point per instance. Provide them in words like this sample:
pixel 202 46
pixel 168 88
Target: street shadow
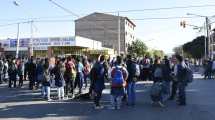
pixel 84 109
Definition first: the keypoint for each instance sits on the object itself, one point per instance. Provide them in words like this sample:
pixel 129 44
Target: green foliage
pixel 138 47
pixel 149 54
pixel 178 50
pixel 195 48
pixel 158 53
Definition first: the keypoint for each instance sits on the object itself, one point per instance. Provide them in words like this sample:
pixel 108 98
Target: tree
pixel 137 47
pixel 158 53
pixel 178 50
pixel 195 48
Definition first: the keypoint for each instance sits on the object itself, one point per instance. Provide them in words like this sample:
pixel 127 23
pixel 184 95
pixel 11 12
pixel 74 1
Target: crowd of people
pixel 209 68
pixel 67 74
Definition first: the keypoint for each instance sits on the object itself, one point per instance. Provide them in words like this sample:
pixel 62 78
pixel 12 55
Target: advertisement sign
pixel 66 41
pixel 24 42
pixel 13 42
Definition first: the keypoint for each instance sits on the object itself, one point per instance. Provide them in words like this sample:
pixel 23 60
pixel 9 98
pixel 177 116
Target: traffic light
pixel 183 24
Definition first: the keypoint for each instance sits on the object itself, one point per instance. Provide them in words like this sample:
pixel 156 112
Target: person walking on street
pixel 79 76
pixel 181 76
pixel 69 76
pixel 58 72
pixel 166 77
pixel 157 87
pixel 86 72
pixel 20 70
pixel 30 70
pixel 5 71
pixel 98 80
pixel 131 81
pixel 39 73
pixel 1 70
pixel 12 73
pixel 119 75
pixel 46 84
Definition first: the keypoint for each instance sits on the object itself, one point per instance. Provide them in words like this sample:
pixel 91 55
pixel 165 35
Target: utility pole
pixel 17 42
pixel 205 41
pixel 207 25
pixel 31 49
pixel 210 54
pixel 119 34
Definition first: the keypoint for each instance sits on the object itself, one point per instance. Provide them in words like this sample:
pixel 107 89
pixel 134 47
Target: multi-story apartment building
pixel 104 27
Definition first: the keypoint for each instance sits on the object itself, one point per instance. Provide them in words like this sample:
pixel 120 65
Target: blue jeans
pixel 46 92
pixel 131 93
pixel 85 79
pixel 79 81
pixel 116 101
pixel 166 90
pixel 181 92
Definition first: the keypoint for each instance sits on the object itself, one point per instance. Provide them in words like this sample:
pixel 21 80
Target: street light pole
pixel 119 22
pixel 31 49
pixel 208 37
pixel 17 42
pixel 207 24
pixel 205 41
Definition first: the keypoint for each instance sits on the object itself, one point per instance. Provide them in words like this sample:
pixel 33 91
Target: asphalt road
pixel 21 104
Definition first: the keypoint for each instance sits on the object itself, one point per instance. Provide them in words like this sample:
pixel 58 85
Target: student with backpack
pixel 58 72
pixel 133 74
pixel 183 76
pixel 119 75
pixel 157 87
pixel 69 76
pixel 98 80
pixel 46 84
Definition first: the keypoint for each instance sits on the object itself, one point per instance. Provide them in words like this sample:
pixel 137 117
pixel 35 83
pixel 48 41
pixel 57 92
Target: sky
pixel 157 34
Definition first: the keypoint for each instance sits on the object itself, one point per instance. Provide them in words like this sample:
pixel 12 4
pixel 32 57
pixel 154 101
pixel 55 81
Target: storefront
pixel 54 46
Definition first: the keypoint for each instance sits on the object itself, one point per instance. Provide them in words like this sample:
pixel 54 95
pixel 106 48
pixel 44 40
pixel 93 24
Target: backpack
pixel 158 72
pixel 156 90
pixel 117 80
pixel 99 71
pixel 188 75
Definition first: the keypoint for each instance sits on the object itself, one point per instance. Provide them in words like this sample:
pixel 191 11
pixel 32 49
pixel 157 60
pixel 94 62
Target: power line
pixel 72 20
pixel 63 8
pixel 164 8
pixel 35 18
pixel 138 10
pixel 10 24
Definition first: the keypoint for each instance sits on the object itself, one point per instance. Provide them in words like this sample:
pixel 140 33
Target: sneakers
pixel 118 107
pixel 161 104
pixel 99 107
pixel 112 108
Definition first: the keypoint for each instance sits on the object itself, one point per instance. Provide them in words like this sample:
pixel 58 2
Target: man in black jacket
pixel 30 69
